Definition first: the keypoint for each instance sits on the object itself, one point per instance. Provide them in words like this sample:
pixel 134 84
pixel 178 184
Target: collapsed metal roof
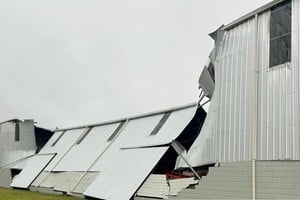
pixel 124 149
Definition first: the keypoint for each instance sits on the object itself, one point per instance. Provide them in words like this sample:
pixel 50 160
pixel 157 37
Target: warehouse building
pixel 249 138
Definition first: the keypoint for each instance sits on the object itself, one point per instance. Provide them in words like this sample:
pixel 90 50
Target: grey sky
pixel 72 62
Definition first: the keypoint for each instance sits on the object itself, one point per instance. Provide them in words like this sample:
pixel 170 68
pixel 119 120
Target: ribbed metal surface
pixel 62 146
pixel 158 186
pixel 12 151
pixel 85 182
pixel 67 180
pixel 176 185
pixel 277 135
pixel 82 155
pixel 127 156
pixel 121 176
pixel 155 186
pixel 30 172
pixel 227 132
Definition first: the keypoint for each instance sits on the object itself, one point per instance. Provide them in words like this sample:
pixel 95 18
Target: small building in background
pixel 19 140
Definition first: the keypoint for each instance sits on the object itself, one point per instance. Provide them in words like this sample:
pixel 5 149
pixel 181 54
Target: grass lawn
pixel 9 194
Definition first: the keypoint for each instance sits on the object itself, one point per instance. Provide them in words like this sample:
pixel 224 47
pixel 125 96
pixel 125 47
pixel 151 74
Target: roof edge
pixel 177 108
pixel 252 14
pixel 11 120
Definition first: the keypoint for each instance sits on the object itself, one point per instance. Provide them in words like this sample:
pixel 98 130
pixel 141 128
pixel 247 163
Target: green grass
pixel 10 194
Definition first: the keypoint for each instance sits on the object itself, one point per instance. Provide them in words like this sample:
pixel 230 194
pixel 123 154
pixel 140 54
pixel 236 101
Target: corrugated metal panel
pixel 67 181
pixel 40 178
pixel 226 133
pixel 89 149
pixel 155 186
pixel 19 165
pixel 85 182
pixel 176 185
pixel 27 137
pixel 206 82
pixel 277 132
pixel 11 157
pixel 137 133
pixel 61 147
pixel 201 152
pixel 49 180
pixel 121 176
pixel 12 151
pixel 278 99
pixel 34 167
pixel 94 153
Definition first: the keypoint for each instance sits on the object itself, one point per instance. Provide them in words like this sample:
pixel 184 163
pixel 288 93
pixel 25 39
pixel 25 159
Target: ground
pixel 9 194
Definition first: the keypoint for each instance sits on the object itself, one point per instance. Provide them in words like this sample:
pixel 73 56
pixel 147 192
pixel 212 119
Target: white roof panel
pixel 82 155
pixel 33 168
pixel 10 158
pixel 123 173
pixel 137 133
pixel 63 144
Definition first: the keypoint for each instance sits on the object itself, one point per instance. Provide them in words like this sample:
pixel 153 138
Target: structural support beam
pixel 179 150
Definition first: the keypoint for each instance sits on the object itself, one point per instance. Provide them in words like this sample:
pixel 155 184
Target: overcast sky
pixel 72 62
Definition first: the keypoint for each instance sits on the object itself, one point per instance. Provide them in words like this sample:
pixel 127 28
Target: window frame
pixel 282 38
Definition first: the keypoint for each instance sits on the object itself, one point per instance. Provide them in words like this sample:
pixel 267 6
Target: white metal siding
pixel 82 155
pixel 276 132
pixel 12 151
pixel 121 176
pixel 96 154
pixel 226 134
pixel 155 186
pixel 67 180
pixel 176 185
pixel 33 168
pixel 85 182
pixel 62 146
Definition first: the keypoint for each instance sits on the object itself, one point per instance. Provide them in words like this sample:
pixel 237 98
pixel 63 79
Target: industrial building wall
pixel 274 180
pixel 227 132
pixel 278 97
pixel 16 146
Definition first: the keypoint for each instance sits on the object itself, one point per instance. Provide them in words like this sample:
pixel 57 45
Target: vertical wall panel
pixel 229 121
pixel 295 106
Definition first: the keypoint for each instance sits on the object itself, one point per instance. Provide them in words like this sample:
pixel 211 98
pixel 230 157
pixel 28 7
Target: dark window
pixel 160 124
pixel 84 136
pixel 280 34
pixel 17 132
pixel 113 135
pixel 59 137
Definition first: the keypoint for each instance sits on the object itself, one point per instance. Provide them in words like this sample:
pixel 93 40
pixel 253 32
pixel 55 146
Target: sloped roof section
pixel 118 150
pixel 30 172
pixel 121 176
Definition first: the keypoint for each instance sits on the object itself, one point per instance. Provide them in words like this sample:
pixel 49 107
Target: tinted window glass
pixel 17 132
pixel 280 34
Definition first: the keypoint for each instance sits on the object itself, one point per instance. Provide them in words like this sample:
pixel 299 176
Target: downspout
pixel 255 108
